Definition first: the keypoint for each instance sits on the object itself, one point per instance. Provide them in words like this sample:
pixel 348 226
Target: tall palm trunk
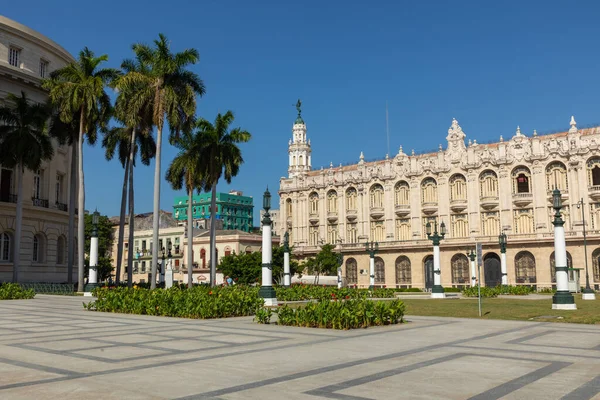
pixel 81 206
pixel 213 235
pixel 156 213
pixel 131 210
pixel 72 200
pixel 122 224
pixel 18 224
pixel 190 233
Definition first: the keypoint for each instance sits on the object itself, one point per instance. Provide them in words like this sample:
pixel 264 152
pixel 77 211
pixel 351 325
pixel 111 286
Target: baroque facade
pixel 26 57
pixel 477 190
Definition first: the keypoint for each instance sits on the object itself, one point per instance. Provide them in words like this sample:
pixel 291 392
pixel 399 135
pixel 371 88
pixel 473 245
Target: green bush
pixel 198 302
pixel 13 291
pixel 347 314
pixel 451 290
pixel 313 292
pixel 485 292
pixel 495 291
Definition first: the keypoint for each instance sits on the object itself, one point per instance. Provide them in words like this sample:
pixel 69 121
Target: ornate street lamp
pixel 93 270
pixel 437 292
pixel 286 259
pixel 266 290
pixel 502 242
pixel 588 292
pixel 562 299
pixel 472 256
pixel 372 248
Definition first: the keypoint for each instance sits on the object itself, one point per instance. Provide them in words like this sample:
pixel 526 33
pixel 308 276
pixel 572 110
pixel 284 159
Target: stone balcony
pixel 402 210
pixel 313 218
pixel 376 212
pixel 332 216
pixel 458 205
pixel 429 208
pixel 489 202
pixel 594 192
pixel 351 215
pixel 522 199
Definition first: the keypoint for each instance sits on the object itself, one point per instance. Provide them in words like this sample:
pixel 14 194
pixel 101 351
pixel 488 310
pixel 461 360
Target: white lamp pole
pixel 93 271
pixel 562 299
pixel 472 257
pixel 588 292
pixel 502 241
pixel 437 292
pixel 372 249
pixel 266 290
pixel 286 260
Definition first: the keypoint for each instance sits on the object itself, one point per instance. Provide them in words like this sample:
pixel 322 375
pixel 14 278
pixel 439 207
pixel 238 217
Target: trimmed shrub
pixel 14 291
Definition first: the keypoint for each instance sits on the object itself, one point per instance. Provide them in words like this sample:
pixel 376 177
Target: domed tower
pixel 299 148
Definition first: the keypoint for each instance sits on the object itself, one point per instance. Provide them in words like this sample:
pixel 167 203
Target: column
pixel 562 299
pixel 371 270
pixel 437 292
pixel 503 266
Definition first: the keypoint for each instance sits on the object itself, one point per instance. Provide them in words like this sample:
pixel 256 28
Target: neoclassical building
pixel 477 190
pixel 26 57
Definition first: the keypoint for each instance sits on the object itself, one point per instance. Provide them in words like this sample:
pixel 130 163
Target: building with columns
pixel 477 190
pixel 27 57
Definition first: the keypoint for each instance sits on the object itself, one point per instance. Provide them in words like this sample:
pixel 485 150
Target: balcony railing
pixel 61 206
pixel 8 198
pixel 37 202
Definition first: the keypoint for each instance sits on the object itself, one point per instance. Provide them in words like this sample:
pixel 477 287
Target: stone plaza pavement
pixel 50 348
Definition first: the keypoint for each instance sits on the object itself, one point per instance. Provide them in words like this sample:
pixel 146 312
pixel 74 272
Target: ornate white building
pixel 26 57
pixel 477 190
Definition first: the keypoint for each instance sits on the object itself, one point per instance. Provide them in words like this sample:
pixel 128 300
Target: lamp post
pixel 168 273
pixel 472 256
pixel 266 290
pixel 286 259
pixel 437 292
pixel 562 299
pixel 340 260
pixel 162 265
pixel 502 241
pixel 93 271
pixel 372 248
pixel 588 292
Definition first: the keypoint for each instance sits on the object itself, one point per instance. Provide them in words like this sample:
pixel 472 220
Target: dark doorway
pixel 491 270
pixel 5 184
pixel 428 264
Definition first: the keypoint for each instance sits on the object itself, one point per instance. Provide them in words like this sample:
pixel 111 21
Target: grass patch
pixel 588 311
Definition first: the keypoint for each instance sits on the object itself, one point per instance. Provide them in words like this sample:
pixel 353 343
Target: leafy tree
pixel 78 89
pixel 325 262
pixel 166 86
pixel 24 144
pixel 105 244
pixel 221 157
pixel 185 170
pixel 247 268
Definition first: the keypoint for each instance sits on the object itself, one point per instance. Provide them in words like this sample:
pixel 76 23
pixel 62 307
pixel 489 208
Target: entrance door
pixel 428 264
pixel 491 270
pixel 5 184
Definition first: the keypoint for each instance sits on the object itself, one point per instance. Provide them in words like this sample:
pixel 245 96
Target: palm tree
pixel 170 89
pixel 118 140
pixel 186 167
pixel 24 144
pixel 221 157
pixel 78 88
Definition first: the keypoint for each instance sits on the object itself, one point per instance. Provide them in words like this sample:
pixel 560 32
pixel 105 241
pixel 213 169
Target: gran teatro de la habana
pixel 478 191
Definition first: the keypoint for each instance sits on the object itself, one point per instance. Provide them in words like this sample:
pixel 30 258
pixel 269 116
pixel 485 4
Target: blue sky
pixel 491 65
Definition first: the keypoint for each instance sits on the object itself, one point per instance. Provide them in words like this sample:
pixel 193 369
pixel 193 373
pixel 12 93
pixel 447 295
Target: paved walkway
pixel 50 348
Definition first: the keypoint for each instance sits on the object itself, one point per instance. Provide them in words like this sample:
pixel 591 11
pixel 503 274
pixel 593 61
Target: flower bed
pixel 198 302
pixel 14 291
pixel 346 314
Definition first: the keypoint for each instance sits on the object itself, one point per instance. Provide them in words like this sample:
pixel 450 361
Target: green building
pixel 234 211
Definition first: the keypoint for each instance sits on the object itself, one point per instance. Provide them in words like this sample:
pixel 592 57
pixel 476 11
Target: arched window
pixel 460 225
pixel 227 251
pixel 38 253
pixel 377 231
pixel 351 233
pixel 402 194
pixel 488 184
pixel 301 160
pixel 593 171
pixel 596 264
pixel 523 221
pixel 403 274
pixel 288 207
pixel 521 177
pixel 203 257
pixel 379 271
pixel 429 191
pixel 460 269
pixel 553 265
pixel 377 196
pixel 5 246
pixel 332 233
pixel 556 176
pixel 351 271
pixel 60 250
pixel 458 187
pixel 351 199
pixel 403 229
pixel 248 250
pixel 314 203
pixel 490 223
pixel 525 267
pixel 332 201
